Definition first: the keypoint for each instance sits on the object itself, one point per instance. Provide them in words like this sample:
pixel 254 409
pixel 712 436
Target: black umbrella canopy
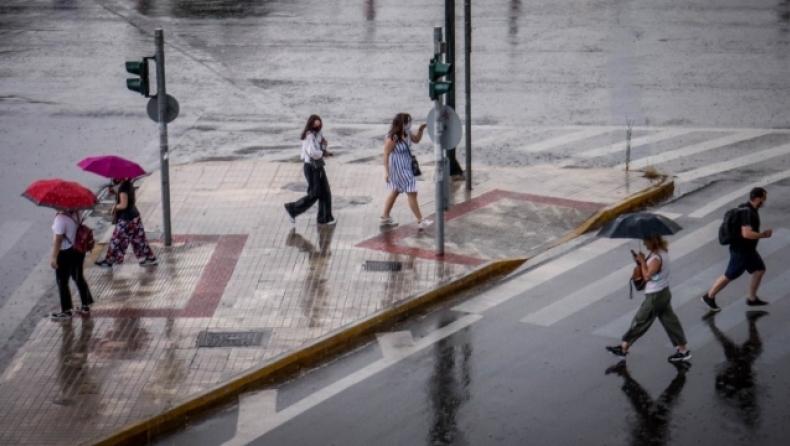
pixel 639 225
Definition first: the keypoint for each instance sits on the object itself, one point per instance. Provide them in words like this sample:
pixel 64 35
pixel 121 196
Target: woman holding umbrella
pixel 655 270
pixel 67 198
pixel 129 225
pixel 129 228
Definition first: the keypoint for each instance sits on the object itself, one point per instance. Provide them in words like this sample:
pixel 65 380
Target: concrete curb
pixel 287 363
pixel 341 338
pixel 644 197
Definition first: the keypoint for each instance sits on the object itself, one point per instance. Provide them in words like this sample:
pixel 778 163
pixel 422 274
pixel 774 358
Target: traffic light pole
pixel 161 97
pixel 468 88
pixel 439 175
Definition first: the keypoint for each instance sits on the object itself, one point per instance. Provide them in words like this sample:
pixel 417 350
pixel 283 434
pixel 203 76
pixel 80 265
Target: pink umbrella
pixel 111 166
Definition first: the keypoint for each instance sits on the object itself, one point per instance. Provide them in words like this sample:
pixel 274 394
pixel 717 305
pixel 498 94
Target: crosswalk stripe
pixel 539 275
pixel 620 145
pixel 564 139
pixel 693 149
pixel 734 163
pixel 617 280
pixel 691 289
pixel 10 233
pixel 741 193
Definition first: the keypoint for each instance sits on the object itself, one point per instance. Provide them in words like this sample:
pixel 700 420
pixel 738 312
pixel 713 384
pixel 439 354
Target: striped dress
pixel 401 176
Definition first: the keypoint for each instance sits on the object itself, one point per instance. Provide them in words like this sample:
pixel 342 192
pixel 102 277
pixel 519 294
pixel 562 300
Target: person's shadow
pixel 653 419
pixel 314 296
pixel 735 378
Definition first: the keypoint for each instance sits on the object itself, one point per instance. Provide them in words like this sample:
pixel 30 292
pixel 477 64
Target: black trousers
pixel 317 190
pixel 70 266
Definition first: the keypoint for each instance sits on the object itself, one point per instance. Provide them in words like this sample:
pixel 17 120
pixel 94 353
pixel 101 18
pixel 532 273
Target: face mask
pixel 408 126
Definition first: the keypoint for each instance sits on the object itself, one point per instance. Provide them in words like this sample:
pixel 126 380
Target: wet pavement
pixel 525 362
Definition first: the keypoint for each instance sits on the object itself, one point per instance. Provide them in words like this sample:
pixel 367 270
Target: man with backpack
pixel 741 230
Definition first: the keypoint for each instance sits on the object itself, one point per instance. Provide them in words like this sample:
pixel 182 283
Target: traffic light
pixel 437 70
pixel 139 85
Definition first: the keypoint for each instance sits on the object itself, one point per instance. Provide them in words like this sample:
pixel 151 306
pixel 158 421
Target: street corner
pixel 660 187
pixel 495 225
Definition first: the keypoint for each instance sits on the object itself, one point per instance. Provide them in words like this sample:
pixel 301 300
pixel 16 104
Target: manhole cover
pixel 232 338
pixel 377 265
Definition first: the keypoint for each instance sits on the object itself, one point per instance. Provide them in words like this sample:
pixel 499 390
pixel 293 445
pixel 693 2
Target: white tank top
pixel 661 280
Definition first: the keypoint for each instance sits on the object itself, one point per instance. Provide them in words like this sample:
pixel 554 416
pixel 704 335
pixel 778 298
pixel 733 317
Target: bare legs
pixel 413 204
pixel 723 281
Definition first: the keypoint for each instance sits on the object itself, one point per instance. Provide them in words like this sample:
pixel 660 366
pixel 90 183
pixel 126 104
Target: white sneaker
pixel 424 223
pixel 331 222
pixel 389 221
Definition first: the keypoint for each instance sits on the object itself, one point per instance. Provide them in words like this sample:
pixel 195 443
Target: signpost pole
pixel 438 152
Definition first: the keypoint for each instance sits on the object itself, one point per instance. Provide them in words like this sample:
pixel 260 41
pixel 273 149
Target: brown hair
pixel 398 127
pixel 656 243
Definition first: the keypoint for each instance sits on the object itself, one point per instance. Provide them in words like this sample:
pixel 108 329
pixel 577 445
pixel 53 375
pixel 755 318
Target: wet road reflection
pixel 735 378
pixel 314 294
pixel 512 21
pixel 653 416
pixel 73 371
pixel 448 387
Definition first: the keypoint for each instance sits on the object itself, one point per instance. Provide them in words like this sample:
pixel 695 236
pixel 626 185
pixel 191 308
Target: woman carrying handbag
pixel 401 168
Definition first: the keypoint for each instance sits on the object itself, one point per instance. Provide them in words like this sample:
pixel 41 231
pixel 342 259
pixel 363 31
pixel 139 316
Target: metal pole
pixel 438 153
pixel 161 97
pixel 468 88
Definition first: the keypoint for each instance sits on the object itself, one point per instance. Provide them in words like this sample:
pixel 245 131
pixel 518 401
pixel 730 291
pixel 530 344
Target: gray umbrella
pixel 640 225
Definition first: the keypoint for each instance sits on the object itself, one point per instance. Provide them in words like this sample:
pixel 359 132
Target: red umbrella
pixel 110 166
pixel 60 194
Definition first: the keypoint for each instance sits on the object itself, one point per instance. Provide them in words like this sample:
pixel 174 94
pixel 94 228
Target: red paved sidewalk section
pixel 241 284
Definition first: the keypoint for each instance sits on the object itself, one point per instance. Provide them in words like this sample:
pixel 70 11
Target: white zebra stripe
pixel 735 163
pixel 620 145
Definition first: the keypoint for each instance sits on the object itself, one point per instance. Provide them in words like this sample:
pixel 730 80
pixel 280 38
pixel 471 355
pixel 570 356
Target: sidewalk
pixel 241 285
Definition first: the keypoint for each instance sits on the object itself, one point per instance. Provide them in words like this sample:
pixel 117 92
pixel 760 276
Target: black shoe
pixel 757 302
pixel 103 264
pixel 678 357
pixel 84 309
pixel 617 351
pixel 710 303
pixel 291 217
pixel 149 262
pixel 62 316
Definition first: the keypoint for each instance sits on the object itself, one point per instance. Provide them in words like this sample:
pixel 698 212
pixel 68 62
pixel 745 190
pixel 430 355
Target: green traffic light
pixel 139 85
pixel 436 89
pixel 437 70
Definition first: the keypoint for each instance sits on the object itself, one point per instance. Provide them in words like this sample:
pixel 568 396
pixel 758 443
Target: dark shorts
pixel 740 263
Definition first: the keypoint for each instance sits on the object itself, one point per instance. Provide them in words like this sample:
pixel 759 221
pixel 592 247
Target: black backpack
pixel 730 228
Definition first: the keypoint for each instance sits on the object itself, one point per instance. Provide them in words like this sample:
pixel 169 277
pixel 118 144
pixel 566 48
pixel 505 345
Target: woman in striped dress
pixel 398 171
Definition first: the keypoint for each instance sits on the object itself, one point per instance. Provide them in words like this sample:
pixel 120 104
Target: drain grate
pixel 232 338
pixel 377 265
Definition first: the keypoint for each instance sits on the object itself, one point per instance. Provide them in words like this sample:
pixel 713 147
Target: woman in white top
pixel 313 153
pixel 655 269
pixel 68 263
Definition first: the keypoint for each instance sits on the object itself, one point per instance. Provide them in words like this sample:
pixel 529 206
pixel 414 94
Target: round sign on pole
pixel 172 109
pixel 453 130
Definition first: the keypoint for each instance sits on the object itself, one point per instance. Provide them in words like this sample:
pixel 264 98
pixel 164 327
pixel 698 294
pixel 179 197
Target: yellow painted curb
pixel 289 362
pixel 647 196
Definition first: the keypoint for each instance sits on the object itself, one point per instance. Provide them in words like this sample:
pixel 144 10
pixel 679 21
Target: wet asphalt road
pixel 501 380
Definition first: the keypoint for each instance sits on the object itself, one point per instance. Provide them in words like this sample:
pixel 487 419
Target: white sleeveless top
pixel 660 280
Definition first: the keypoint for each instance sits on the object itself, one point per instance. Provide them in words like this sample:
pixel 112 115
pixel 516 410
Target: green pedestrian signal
pixel 140 84
pixel 436 71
